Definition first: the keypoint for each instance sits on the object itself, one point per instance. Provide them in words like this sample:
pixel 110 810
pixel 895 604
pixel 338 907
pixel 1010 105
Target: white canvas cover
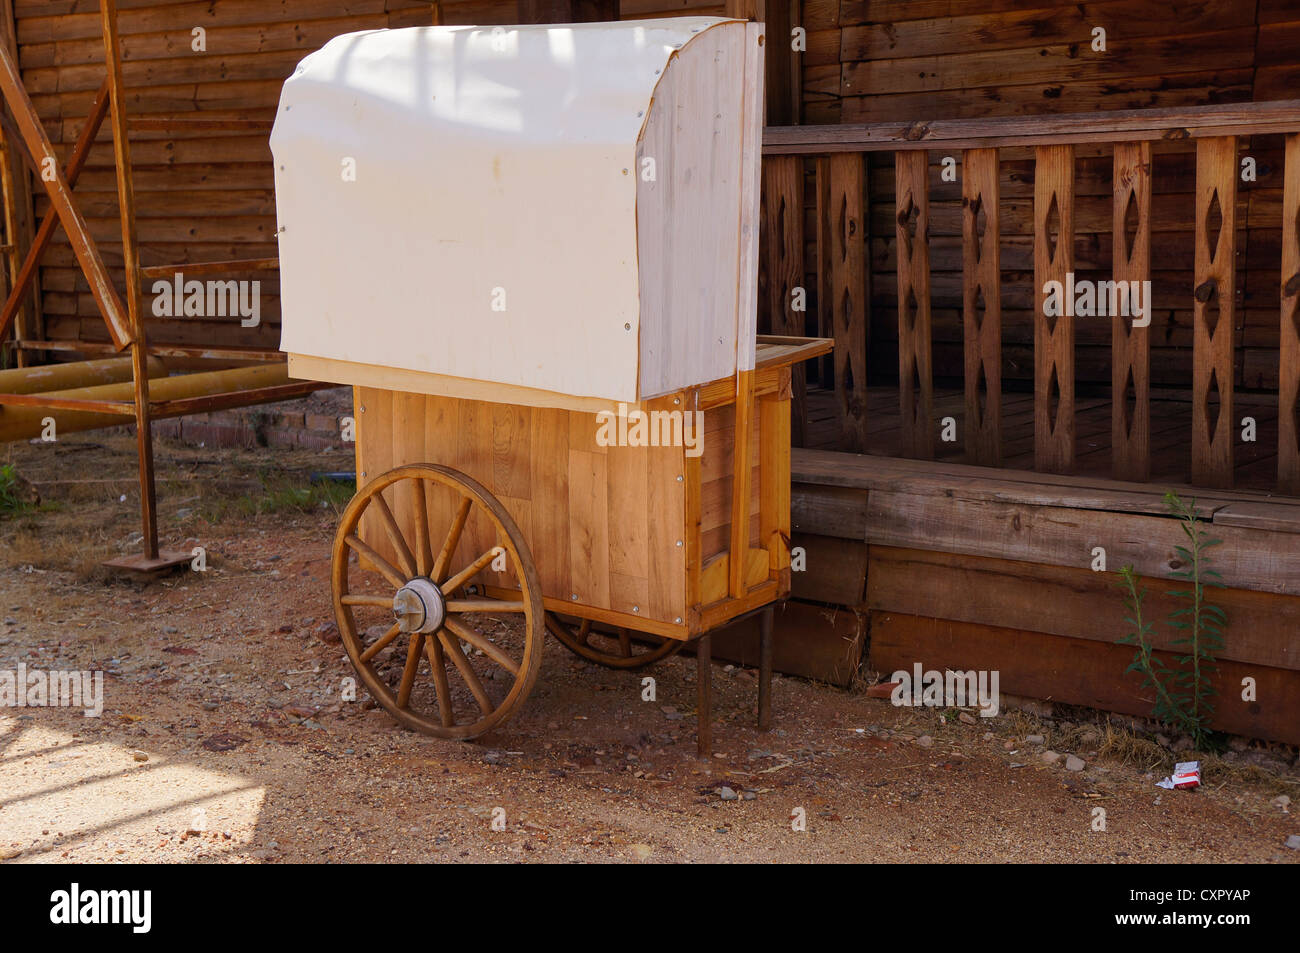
pixel 462 200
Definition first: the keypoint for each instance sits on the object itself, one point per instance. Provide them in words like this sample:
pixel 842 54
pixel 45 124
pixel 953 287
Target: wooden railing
pixel 832 160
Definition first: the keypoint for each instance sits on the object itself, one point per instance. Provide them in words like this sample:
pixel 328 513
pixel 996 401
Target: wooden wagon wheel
pixel 619 650
pixel 396 618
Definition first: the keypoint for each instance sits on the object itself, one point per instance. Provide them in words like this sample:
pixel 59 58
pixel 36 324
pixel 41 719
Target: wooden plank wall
pixel 871 60
pixel 209 196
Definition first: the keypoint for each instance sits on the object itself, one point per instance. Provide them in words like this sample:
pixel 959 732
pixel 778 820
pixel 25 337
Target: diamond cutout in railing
pixel 908 214
pixel 980 226
pixel 1132 219
pixel 977 310
pixel 1213 224
pixel 981 398
pixel 1052 228
pixel 910 310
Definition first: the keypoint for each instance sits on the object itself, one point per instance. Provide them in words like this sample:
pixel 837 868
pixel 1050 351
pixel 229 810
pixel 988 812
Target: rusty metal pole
pixel 130 258
pixel 765 620
pixel 704 702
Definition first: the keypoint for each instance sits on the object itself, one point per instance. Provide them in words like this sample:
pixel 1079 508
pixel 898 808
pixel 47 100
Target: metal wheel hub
pixel 419 606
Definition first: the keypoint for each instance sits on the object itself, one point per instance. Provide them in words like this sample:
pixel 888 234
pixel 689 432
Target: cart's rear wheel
pixel 439 661
pixel 621 649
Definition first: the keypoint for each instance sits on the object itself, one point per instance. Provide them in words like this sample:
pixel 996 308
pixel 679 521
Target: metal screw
pixel 625 171
pixel 679 543
pixel 636 608
pixel 574 597
pixel 678 620
pixel 627 326
pixel 679 478
pixel 363 473
pixel 677 400
pixel 363 408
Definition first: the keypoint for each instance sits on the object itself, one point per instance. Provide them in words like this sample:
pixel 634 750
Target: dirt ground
pixel 223 737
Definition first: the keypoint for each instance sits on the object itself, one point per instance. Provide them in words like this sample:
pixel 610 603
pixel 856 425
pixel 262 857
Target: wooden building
pixel 930 165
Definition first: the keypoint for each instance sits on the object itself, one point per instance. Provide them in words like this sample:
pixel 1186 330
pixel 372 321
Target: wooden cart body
pixel 635 536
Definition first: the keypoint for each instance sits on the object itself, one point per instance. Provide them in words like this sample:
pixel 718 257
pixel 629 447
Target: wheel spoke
pixel 470 571
pixel 395 535
pixel 382 643
pixel 438 664
pixel 584 632
pixel 483 605
pixel 379 602
pixel 423 551
pixel 408 673
pixel 625 642
pixel 382 565
pixel 489 648
pixel 453 539
pixel 466 672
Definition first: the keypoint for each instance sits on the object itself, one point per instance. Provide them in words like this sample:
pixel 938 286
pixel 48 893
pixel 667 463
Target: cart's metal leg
pixel 704 706
pixel 765 668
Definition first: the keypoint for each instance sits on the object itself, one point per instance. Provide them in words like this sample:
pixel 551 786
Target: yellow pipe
pixel 35 380
pixel 24 423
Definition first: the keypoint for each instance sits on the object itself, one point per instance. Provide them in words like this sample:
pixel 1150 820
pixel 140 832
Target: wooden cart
pixel 606 456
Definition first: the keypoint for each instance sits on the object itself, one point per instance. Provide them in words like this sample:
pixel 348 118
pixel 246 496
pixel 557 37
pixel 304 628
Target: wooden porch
pixel 968 452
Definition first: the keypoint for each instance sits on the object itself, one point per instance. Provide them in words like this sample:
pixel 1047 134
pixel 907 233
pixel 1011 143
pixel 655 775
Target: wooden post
pixel 130 258
pixel 1130 425
pixel 850 295
pixel 765 620
pixel 1053 333
pixel 912 232
pixel 982 305
pixel 1288 412
pixel 783 220
pixel 704 696
pixel 824 243
pixel 741 481
pixel 19 214
pixel 1213 426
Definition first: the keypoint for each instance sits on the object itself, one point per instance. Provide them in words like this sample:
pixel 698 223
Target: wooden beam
pixel 1213 426
pixel 131 262
pixel 1054 332
pixel 1106 126
pixel 982 305
pixel 1130 427
pixel 1261 560
pixel 1077 671
pixel 1085 604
